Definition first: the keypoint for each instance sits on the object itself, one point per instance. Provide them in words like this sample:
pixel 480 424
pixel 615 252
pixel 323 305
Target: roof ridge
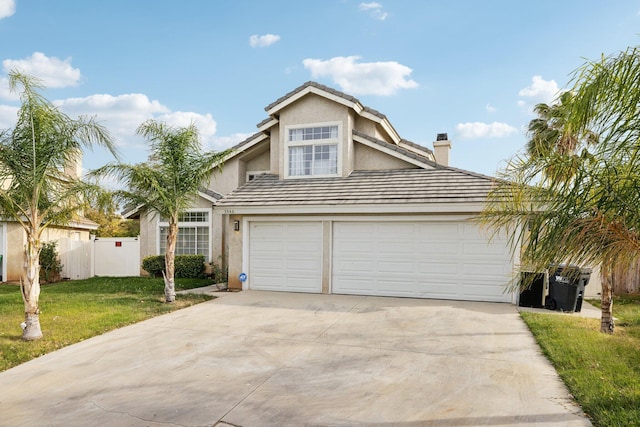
pixel 327 89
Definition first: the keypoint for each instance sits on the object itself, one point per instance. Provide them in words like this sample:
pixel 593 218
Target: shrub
pixel 50 265
pixel 154 265
pixel 217 273
pixel 186 266
pixel 190 266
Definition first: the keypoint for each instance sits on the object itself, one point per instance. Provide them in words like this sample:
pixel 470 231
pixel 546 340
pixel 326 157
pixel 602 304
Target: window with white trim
pixel 312 151
pixel 193 234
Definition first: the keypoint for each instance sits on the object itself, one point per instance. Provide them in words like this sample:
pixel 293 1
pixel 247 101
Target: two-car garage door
pixel 423 259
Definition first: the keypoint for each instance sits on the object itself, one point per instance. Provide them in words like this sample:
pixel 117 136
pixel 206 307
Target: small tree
pixel 37 190
pixel 50 265
pixel 168 183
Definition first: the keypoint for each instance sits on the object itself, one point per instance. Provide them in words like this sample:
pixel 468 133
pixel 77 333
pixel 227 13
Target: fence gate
pixel 75 256
pixel 116 256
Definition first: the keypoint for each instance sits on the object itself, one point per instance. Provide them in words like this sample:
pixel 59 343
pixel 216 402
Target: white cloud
pixel 369 6
pixel 121 114
pixel 205 123
pixel 8 116
pixel 365 78
pixel 263 41
pixel 490 108
pixel 5 93
pixel 53 72
pixel 540 90
pixel 477 130
pixel 7 8
pixel 374 9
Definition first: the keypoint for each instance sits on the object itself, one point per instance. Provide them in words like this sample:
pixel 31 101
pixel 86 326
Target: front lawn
pixel 76 310
pixel 601 371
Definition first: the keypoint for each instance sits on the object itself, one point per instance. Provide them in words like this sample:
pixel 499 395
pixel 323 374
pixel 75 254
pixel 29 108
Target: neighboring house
pixel 328 198
pixel 75 256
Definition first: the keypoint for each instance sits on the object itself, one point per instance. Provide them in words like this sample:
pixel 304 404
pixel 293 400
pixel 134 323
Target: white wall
pixel 116 256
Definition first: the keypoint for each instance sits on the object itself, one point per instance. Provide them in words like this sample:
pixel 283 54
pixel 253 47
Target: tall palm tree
pixel 37 191
pixel 168 183
pixel 587 213
pixel 553 140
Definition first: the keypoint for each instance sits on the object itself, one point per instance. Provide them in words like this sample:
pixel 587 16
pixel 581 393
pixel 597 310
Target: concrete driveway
pixel 273 359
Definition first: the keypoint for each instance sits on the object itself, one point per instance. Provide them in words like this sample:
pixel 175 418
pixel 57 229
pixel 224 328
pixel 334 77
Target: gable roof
pixel 401 146
pixel 441 189
pixel 334 95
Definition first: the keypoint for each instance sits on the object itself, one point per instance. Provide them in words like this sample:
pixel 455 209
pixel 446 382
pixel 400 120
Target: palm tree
pixel 586 212
pixel 37 191
pixel 168 183
pixel 552 137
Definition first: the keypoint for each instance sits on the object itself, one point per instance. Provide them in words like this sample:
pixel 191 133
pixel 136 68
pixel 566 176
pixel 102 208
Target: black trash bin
pixel 564 282
pixel 534 295
pixel 585 276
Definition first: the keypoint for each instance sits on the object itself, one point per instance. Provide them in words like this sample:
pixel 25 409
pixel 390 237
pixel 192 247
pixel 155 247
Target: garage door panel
pixel 437 248
pixel 482 248
pixel 395 247
pixel 399 267
pixel 437 259
pixel 426 268
pixel 480 270
pixel 285 256
pixel 392 230
pixel 356 266
pixel 444 230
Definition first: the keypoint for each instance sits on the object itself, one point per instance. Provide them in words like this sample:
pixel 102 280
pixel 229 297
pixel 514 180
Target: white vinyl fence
pixel 116 256
pixel 102 256
pixel 76 257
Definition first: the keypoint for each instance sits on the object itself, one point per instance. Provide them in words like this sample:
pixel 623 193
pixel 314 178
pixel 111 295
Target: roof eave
pixel 467 208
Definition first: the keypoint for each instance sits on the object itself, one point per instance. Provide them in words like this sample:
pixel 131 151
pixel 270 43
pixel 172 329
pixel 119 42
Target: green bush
pixel 50 265
pixel 154 265
pixel 186 266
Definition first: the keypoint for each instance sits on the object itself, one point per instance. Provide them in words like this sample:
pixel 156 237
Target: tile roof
pixel 246 141
pixel 405 186
pixel 210 193
pixel 399 149
pixel 328 90
pixel 416 146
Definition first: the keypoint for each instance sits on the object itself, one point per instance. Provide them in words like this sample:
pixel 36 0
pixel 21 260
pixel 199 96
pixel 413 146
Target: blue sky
pixel 473 69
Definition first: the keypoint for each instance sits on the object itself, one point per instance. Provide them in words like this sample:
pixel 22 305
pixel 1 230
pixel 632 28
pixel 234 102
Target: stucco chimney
pixel 441 148
pixel 73 168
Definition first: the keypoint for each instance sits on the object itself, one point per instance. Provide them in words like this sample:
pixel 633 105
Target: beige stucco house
pixel 328 198
pixel 76 258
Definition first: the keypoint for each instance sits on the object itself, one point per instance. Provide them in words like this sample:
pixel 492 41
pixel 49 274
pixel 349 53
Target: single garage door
pixel 436 259
pixel 285 256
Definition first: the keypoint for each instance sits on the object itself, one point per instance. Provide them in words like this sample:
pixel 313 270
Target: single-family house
pixel 72 243
pixel 327 197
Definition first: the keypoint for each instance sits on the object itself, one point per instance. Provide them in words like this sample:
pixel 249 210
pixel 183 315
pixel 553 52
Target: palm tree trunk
pixel 606 304
pixel 31 291
pixel 169 263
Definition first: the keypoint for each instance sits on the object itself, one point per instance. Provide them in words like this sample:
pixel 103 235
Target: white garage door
pixel 446 260
pixel 285 256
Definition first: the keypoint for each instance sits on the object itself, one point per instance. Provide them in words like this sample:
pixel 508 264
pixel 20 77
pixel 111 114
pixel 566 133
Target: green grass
pixel 76 310
pixel 601 371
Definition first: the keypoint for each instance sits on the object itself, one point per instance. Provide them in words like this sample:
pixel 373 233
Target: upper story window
pixel 312 151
